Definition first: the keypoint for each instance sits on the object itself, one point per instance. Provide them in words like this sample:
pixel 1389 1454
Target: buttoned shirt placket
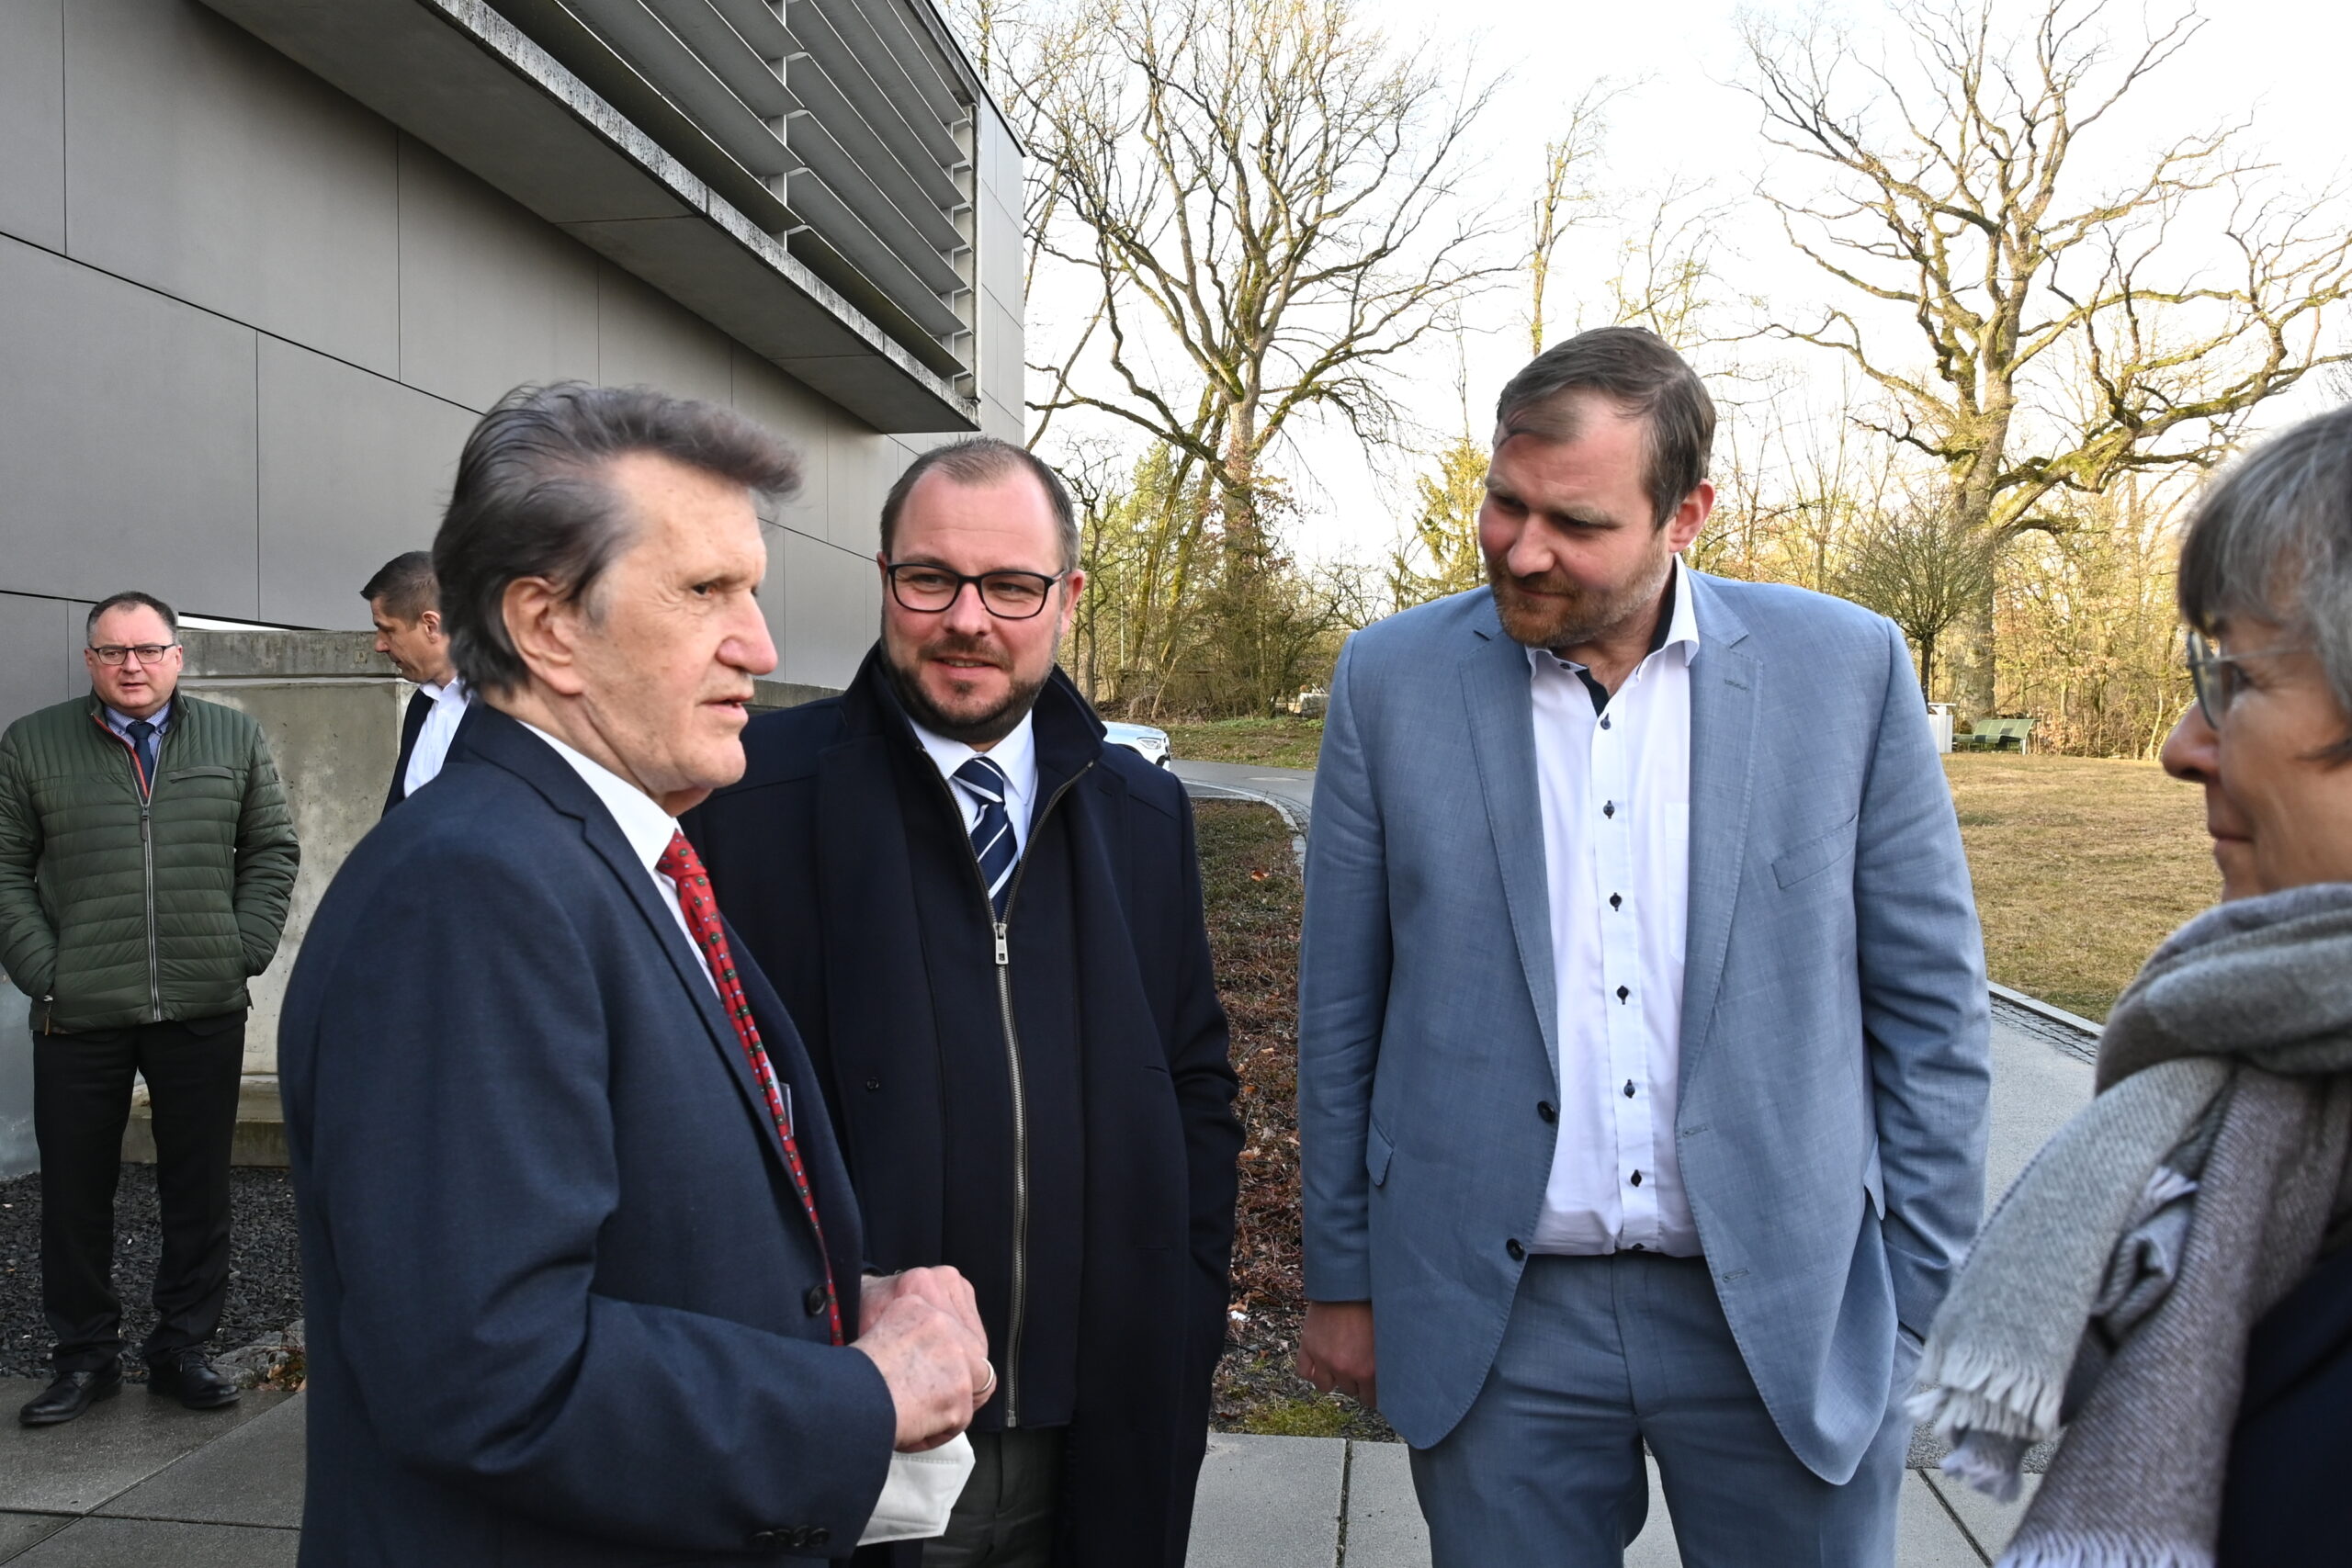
pixel 1616 810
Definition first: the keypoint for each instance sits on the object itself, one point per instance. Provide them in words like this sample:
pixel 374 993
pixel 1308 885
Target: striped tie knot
pixel 992 842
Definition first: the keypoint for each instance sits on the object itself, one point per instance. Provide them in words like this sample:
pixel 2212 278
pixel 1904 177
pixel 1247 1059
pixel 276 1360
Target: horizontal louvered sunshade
pixel 843 127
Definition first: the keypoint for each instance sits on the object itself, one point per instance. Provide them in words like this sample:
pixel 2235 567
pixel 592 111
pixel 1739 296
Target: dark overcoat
pixel 559 1281
pixel 2286 1505
pixel 810 856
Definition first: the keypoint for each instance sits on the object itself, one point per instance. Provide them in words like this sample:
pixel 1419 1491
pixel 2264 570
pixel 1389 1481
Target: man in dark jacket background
pixel 404 603
pixel 146 858
pixel 988 925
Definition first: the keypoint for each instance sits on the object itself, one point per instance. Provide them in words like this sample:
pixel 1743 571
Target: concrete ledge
pixel 261 1126
pixel 282 656
pixel 2036 1006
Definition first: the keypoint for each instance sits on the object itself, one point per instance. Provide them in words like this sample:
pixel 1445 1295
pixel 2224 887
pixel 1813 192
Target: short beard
pixel 984 730
pixel 1554 623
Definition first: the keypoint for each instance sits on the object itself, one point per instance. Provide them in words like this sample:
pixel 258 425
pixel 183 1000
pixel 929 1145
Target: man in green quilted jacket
pixel 146 857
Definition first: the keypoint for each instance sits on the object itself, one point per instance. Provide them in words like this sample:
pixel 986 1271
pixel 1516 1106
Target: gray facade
pixel 264 262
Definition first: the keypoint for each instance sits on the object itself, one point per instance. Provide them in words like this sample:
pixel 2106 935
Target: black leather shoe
pixel 71 1395
pixel 194 1380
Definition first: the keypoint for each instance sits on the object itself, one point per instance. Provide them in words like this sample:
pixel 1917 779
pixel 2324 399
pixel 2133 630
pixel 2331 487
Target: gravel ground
pixel 265 1265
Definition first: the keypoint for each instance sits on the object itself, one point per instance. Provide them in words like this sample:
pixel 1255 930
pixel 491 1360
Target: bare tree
pixel 1667 278
pixel 1265 202
pixel 2058 339
pixel 1921 568
pixel 1564 192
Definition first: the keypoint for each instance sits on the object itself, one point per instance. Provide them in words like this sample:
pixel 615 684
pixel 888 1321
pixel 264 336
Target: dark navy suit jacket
pixel 559 1282
pixel 420 705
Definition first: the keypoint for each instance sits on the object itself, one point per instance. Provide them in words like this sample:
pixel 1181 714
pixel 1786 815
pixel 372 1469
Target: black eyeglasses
pixel 1010 595
pixel 2216 675
pixel 115 652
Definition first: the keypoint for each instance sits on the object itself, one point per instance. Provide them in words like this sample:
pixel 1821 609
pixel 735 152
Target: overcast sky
pixel 2281 61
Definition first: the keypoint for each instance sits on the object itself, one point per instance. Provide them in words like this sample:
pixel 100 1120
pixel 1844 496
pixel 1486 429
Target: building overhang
pixel 466 81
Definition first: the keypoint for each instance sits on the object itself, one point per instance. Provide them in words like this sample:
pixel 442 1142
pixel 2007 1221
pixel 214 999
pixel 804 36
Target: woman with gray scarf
pixel 2166 1280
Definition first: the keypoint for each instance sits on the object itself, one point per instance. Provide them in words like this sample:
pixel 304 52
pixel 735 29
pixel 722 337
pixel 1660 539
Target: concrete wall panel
pixel 491 296
pixel 41 661
pixel 777 402
pixel 832 602
pixel 335 743
pixel 40 664
pixel 32 121
pixel 861 470
pixel 127 440
pixel 354 470
pixel 645 339
pixel 204 163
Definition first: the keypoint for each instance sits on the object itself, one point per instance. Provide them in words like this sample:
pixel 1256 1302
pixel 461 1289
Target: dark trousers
pixel 1005 1518
pixel 81 1103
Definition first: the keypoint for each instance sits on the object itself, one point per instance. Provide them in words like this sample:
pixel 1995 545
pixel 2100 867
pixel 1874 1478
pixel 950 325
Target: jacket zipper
pixel 1018 1317
pixel 147 862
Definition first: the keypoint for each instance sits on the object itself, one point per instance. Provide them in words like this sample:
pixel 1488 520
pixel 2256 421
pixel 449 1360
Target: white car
pixel 1145 741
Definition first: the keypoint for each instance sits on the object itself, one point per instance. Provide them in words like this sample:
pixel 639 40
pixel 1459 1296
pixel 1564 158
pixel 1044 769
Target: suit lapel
pixel 502 740
pixel 1495 691
pixel 1725 676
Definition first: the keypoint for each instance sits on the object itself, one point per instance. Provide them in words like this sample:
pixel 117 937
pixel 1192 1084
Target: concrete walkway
pixel 1322 1502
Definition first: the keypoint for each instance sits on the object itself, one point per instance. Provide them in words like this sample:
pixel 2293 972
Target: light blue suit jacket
pixel 1834 1069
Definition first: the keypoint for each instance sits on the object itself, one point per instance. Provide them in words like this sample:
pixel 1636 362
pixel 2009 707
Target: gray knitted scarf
pixel 2112 1292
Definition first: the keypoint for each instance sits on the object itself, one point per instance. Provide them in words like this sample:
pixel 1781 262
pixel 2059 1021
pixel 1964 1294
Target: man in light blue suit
pixel 1643 1020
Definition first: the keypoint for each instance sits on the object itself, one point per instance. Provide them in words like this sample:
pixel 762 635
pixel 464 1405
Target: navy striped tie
pixel 992 844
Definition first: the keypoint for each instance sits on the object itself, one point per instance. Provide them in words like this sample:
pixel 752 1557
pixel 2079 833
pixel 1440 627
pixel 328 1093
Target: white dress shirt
pixel 432 747
pixel 1615 791
pixel 1016 754
pixel 641 821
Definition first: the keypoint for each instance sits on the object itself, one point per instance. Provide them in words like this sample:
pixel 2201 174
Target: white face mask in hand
pixel 920 1492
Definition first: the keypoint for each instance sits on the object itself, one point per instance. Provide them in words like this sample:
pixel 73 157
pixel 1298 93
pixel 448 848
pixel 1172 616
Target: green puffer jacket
pixel 114 910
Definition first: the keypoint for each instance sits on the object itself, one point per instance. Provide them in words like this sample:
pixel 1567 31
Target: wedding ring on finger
pixel 989 1387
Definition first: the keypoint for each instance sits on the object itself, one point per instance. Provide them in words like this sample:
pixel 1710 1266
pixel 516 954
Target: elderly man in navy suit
pixel 1642 1038
pixel 582 1262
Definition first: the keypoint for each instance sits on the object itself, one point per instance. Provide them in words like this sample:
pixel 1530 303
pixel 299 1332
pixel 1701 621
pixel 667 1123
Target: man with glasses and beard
pixel 987 923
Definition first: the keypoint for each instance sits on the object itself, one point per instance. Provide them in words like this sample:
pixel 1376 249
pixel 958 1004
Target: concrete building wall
pixel 245 324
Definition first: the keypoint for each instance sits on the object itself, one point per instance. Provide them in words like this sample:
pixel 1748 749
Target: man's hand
pixel 937 1369
pixel 1335 1350
pixel 942 1287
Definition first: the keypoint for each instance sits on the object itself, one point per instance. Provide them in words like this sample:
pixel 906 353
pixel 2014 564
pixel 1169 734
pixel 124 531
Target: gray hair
pixel 534 498
pixel 2272 541
pixel 975 462
pixel 1632 366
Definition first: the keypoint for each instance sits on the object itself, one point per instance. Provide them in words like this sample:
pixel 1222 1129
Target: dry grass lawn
pixel 1270 742
pixel 2082 865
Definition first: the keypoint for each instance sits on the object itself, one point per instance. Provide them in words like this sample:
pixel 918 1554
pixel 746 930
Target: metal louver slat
pixel 760 23
pixel 642 37
pixel 882 267
pixel 567 35
pixel 930 162
pixel 868 163
pixel 876 35
pixel 874 213
pixel 845 127
pixel 729 56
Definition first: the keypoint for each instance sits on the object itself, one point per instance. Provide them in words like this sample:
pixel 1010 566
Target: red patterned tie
pixel 682 866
